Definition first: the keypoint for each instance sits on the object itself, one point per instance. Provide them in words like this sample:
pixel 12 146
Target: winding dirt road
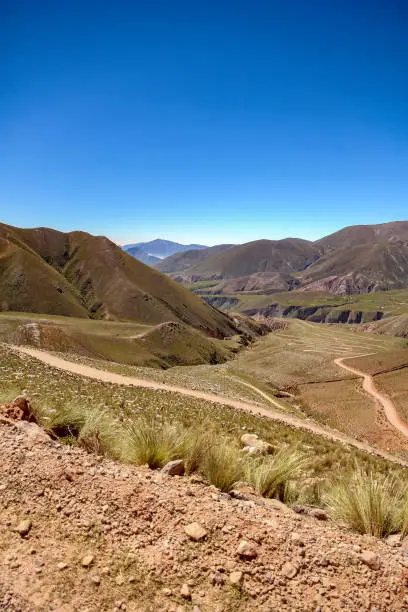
pixel 283 417
pixel 369 386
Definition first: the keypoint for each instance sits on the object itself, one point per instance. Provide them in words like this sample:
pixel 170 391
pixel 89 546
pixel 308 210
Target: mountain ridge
pixel 77 274
pixel 356 259
pixel 161 248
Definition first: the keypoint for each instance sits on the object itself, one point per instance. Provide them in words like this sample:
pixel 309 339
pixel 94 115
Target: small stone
pixel 96 580
pixel 185 591
pixel 278 505
pixel 218 579
pixel 319 514
pixel 61 566
pixel 24 527
pixel 236 578
pixel 249 439
pixel 87 560
pixel 174 468
pixel 254 446
pixel 370 559
pixel 119 580
pixel 289 570
pixel 247 550
pixel 195 531
pixel 296 539
pixel 167 592
pixel 394 540
pixel 34 434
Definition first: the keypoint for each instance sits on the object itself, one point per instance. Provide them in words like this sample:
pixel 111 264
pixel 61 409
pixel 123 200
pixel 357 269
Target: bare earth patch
pixel 104 536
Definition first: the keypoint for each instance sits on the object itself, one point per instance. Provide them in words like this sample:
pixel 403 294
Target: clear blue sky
pixel 203 121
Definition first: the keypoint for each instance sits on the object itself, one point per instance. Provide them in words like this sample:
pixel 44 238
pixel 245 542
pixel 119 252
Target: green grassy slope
pixel 176 344
pixel 160 346
pixel 133 290
pixel 319 306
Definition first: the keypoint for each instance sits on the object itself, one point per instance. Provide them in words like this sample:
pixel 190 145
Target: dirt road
pixel 283 417
pixel 369 386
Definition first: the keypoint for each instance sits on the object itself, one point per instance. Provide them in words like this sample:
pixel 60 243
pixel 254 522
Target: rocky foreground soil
pixel 80 532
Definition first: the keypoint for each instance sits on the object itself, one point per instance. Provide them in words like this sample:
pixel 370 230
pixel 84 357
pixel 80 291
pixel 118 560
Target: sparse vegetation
pixel 224 465
pixel 369 502
pixel 196 443
pixel 94 428
pixel 270 476
pixel 153 442
pixel 144 426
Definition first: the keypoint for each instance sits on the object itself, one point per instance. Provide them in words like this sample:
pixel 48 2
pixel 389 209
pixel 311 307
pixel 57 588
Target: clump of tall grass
pixel 153 442
pixel 272 476
pixel 403 517
pixel 223 465
pixel 369 502
pixel 196 444
pixel 66 420
pixel 96 429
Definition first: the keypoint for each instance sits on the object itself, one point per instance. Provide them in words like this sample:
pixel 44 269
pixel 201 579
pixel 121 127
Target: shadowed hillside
pixel 76 274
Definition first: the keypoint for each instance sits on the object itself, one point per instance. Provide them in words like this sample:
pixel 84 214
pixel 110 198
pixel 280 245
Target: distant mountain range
pixel 155 250
pixel 356 259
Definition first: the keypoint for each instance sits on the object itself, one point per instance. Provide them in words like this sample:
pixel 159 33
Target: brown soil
pixel 388 405
pixel 130 523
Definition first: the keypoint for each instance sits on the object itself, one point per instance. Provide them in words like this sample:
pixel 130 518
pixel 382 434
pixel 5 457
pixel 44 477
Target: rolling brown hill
pixel 271 257
pixel 77 274
pixel 357 259
pixel 361 269
pixel 356 235
pixel 181 261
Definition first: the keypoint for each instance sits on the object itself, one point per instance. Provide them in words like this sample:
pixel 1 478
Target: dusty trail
pixel 283 417
pixel 369 386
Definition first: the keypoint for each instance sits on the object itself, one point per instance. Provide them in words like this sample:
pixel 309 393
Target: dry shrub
pixel 153 442
pixel 271 477
pixel 369 502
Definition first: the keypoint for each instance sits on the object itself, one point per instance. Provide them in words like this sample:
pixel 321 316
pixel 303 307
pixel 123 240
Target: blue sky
pixel 205 122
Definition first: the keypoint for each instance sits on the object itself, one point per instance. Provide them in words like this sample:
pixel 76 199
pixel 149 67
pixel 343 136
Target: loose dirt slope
pixel 101 536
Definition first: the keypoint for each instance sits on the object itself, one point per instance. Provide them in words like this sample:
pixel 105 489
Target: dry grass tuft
pixel 271 476
pixel 369 502
pixel 196 444
pixel 224 465
pixel 153 442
